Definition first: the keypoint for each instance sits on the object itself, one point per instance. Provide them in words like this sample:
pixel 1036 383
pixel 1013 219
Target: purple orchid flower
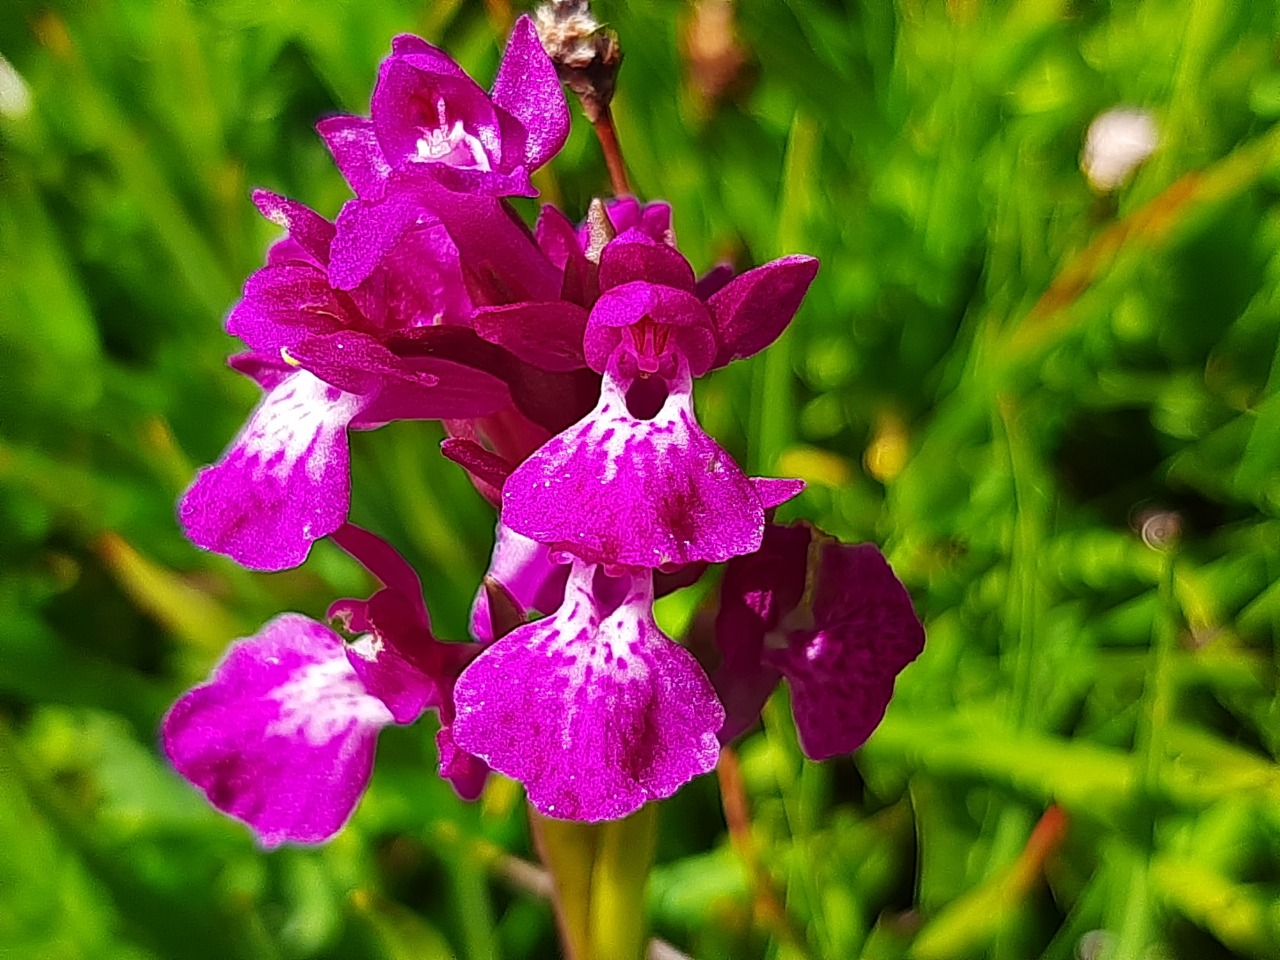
pixel 831 618
pixel 593 709
pixel 438 148
pixel 637 482
pixel 561 361
pixel 284 481
pixel 283 734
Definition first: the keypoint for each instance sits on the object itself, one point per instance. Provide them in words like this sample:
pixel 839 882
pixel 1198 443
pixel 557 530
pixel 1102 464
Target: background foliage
pixel 998 375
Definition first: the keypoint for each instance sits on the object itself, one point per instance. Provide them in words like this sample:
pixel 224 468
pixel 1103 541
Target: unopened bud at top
pixel 1118 142
pixel 586 55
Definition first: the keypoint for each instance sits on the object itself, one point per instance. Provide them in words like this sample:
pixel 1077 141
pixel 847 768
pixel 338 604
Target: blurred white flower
pixel 15 97
pixel 1117 143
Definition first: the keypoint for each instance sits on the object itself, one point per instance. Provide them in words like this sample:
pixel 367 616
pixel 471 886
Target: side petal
pixel 310 231
pixel 283 734
pixel 548 335
pixel 647 493
pixel 527 88
pixel 525 569
pixel 752 309
pixel 385 562
pixel 775 491
pixel 757 592
pixel 466 772
pixel 597 713
pixel 842 671
pixel 634 255
pixel 354 146
pixel 366 232
pixel 283 483
pixel 283 303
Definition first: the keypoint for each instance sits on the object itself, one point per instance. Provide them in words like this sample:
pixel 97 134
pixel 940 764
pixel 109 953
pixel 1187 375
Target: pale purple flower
pixel 284 481
pixel 283 734
pixel 593 709
pixel 438 148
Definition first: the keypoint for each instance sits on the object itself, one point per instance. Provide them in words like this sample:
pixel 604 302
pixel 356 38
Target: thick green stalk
pixel 599 872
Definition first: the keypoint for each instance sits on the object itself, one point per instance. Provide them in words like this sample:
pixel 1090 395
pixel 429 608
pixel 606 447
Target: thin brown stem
pixel 608 137
pixel 767 904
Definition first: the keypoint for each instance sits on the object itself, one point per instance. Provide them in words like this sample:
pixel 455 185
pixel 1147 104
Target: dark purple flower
pixel 829 617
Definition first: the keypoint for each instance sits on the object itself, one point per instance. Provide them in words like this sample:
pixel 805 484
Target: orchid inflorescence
pixel 561 361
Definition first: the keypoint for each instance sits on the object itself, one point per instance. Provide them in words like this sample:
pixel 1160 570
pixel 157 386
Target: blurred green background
pixel 999 375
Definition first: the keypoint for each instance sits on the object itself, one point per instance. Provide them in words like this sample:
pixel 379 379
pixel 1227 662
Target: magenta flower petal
pixel 354 146
pixel 753 309
pixel 756 593
pixel 400 388
pixel 267 370
pixel 282 484
pixel 841 670
pixel 714 280
pixel 417 283
pixel 366 232
pixel 525 568
pixel 312 232
pixel 557 236
pixel 426 111
pixel 593 709
pixel 617 489
pixel 283 734
pixel 385 562
pixel 487 468
pixel 548 335
pixel 527 88
pixel 775 491
pixel 356 362
pixel 283 303
pixel 398 659
pixel 467 772
pixel 635 256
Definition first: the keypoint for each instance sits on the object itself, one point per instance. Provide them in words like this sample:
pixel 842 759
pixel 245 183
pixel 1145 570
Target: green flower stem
pixel 599 872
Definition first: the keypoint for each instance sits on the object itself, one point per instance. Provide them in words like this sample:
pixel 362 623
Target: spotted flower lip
pixel 284 481
pixel 283 734
pixel 617 488
pixel 831 618
pixel 608 713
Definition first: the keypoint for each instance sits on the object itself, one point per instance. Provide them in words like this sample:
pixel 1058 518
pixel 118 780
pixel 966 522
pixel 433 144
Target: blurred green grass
pixel 998 375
